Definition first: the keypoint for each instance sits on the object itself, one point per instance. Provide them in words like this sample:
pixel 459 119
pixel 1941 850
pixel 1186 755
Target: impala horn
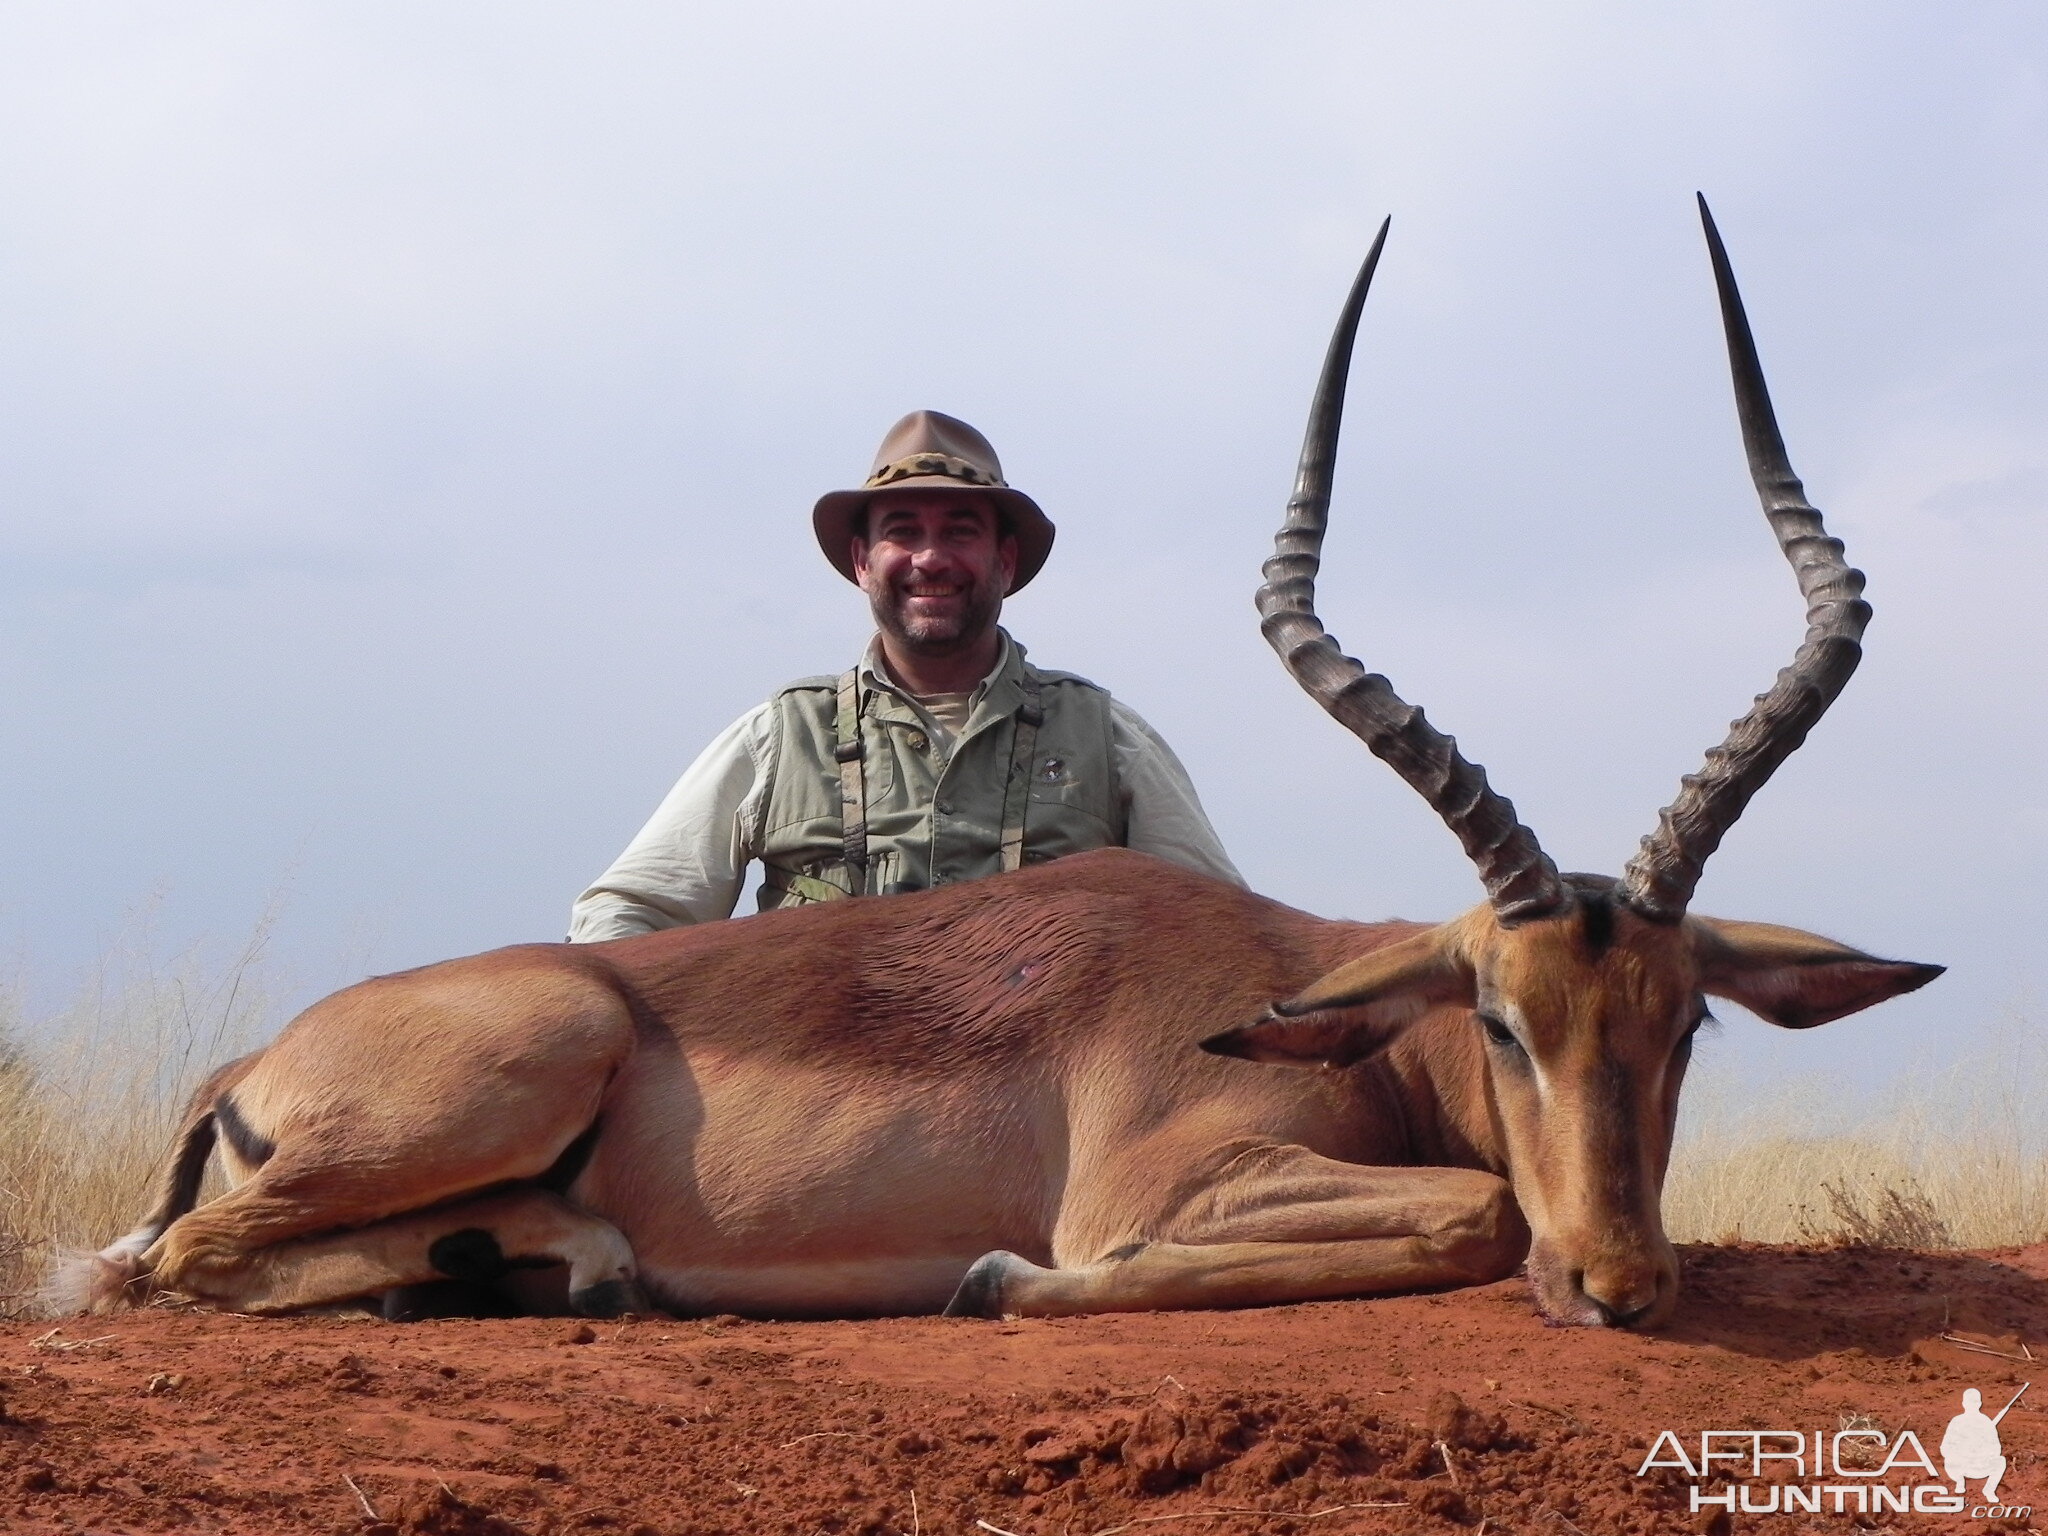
pixel 1521 882
pixel 1659 880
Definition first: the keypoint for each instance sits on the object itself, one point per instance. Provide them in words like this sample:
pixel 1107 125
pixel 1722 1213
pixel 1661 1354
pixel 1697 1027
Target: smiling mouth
pixel 927 591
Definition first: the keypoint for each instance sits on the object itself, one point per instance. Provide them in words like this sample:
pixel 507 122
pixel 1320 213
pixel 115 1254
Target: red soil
pixel 1423 1413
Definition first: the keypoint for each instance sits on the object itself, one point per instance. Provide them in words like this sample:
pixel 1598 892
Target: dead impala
pixel 1019 1096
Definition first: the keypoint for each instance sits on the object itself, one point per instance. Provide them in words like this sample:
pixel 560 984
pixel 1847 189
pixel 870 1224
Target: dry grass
pixel 89 1097
pixel 1950 1159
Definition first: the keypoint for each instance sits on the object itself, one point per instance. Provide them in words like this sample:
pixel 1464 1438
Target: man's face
pixel 935 567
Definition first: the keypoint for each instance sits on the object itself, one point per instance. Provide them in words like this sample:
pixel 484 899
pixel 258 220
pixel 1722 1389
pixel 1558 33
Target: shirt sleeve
pixel 688 863
pixel 1164 815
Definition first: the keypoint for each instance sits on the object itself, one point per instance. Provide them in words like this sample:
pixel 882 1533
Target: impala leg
pixel 1280 1224
pixel 477 1242
pixel 373 1146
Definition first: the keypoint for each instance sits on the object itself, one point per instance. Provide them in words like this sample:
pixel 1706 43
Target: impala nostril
pixel 1616 1317
pixel 1621 1303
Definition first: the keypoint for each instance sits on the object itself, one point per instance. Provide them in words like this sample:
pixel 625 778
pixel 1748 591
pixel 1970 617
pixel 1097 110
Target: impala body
pixel 1054 1091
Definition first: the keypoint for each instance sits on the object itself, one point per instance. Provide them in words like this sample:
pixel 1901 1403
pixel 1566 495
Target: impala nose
pixel 1615 1317
pixel 1622 1300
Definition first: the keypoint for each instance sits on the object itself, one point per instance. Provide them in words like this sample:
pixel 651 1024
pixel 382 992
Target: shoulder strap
pixel 1023 753
pixel 853 788
pixel 1116 779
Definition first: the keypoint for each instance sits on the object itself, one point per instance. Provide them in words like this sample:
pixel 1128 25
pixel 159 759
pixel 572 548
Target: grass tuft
pixel 91 1095
pixel 1955 1158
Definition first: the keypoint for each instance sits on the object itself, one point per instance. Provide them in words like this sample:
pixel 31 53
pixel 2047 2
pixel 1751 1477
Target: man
pixel 943 756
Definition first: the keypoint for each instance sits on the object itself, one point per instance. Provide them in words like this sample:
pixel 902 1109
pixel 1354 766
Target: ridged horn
pixel 1660 880
pixel 1521 882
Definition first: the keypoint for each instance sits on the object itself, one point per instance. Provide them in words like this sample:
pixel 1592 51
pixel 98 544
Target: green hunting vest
pixel 1031 777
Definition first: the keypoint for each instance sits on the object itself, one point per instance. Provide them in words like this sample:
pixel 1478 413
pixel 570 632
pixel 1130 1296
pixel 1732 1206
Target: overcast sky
pixel 410 414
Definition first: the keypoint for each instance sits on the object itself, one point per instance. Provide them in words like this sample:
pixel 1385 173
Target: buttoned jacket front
pixel 935 802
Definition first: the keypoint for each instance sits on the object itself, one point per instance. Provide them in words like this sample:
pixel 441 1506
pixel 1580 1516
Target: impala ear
pixel 1797 979
pixel 1357 1009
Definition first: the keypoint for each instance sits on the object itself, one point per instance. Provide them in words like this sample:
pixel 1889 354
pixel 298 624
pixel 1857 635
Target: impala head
pixel 1584 992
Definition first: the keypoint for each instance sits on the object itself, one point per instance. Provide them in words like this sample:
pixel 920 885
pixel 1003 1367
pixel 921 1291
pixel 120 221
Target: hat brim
pixel 837 513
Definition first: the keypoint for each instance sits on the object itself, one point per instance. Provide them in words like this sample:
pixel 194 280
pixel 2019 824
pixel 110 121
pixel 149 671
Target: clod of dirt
pixel 1274 1462
pixel 1465 1428
pixel 1168 1447
pixel 436 1511
pixel 1447 1503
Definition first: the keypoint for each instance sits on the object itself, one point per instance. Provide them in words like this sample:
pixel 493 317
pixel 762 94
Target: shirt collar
pixel 874 671
pixel 996 697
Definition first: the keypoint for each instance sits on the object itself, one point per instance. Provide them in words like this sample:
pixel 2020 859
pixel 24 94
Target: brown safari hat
pixel 928 450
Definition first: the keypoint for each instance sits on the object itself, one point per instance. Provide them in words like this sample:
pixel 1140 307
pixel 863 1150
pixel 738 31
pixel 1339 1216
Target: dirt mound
pixel 1431 1413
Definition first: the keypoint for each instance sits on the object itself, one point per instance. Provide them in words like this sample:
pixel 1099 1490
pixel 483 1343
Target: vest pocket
pixel 1064 792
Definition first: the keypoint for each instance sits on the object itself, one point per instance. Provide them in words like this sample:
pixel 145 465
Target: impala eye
pixel 1498 1032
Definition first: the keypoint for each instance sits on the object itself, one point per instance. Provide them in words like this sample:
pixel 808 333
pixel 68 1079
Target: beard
pixel 951 626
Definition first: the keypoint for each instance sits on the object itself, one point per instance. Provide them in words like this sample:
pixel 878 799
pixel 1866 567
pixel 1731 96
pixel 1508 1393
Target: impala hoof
pixel 981 1289
pixel 612 1298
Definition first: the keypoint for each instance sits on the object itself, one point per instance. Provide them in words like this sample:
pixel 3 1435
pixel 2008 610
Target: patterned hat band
pixel 923 453
pixel 931 464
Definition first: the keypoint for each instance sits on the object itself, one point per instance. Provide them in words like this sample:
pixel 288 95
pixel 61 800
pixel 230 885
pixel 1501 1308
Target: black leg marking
pixel 180 1192
pixel 471 1255
pixel 445 1298
pixel 981 1288
pixel 569 1166
pixel 1128 1251
pixel 611 1298
pixel 250 1146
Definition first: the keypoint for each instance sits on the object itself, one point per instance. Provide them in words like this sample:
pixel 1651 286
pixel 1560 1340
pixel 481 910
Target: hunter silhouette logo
pixel 1970 1449
pixel 1853 1471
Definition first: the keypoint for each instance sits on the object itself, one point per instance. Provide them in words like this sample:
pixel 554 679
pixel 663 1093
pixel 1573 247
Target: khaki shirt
pixel 688 864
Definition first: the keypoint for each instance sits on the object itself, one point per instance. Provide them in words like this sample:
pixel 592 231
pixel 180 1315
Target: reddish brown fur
pixel 840 1109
